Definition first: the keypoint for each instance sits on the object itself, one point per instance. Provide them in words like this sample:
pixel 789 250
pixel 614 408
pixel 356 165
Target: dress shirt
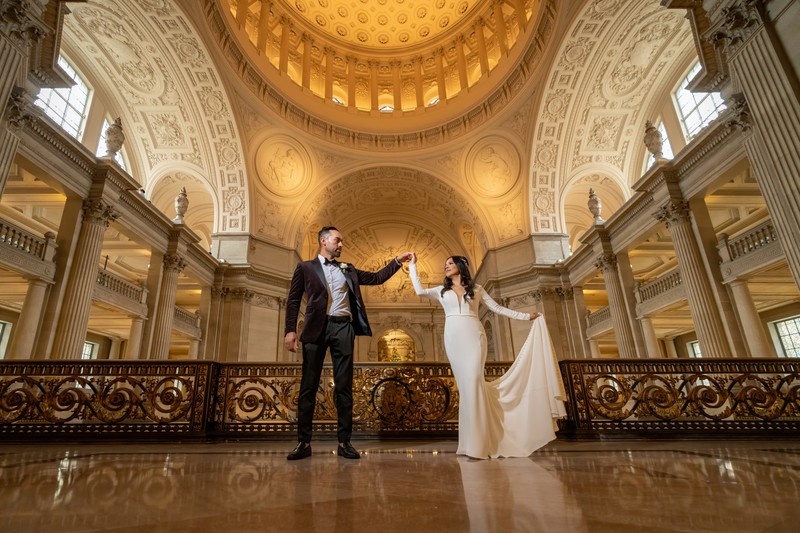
pixel 338 298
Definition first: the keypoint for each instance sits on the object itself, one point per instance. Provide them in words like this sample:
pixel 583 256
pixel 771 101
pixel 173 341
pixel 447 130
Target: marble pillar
pixel 702 304
pixel 173 264
pixel 23 335
pixel 758 342
pixel 73 319
pixel 607 263
pixel 653 348
pixel 133 347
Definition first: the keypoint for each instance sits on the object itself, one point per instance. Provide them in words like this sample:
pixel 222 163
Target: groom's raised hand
pixel 405 256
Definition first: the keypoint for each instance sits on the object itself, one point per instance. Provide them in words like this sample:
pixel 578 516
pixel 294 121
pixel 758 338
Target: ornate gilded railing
pixel 133 400
pixel 399 398
pixel 710 397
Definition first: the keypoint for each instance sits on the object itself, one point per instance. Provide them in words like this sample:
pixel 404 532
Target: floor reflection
pixel 400 486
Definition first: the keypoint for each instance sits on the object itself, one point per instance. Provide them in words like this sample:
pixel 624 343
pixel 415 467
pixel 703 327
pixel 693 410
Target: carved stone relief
pixel 283 166
pixel 492 167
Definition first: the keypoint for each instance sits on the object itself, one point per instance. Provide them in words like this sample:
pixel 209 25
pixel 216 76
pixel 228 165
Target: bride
pixel 511 416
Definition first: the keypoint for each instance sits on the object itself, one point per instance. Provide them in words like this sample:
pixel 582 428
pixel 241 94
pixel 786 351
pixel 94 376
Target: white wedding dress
pixel 511 416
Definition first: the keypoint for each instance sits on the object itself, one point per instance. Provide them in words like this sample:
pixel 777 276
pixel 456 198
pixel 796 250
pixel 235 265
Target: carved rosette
pixel 673 212
pixel 99 212
pixel 606 262
pixel 174 262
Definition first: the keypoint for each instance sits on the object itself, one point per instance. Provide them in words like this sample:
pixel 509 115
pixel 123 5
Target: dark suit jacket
pixel 309 278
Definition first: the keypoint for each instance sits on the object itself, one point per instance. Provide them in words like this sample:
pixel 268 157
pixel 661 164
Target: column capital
pixel 18 110
pixel 565 293
pixel 99 212
pixel 606 262
pixel 737 24
pixel 174 262
pixel 242 293
pixel 673 212
pixel 21 23
pixel 742 119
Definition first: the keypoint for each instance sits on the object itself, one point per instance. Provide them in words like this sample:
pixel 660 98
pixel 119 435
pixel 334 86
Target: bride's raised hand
pixel 413 258
pixel 535 315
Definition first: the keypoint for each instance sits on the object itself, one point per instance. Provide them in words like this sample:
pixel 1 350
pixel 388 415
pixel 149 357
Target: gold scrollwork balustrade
pixel 697 395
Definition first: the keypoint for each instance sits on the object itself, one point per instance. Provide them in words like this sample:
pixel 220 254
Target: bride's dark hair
pixel 462 263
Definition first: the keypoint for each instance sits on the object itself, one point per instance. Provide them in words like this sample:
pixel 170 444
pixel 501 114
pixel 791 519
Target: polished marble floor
pixel 401 486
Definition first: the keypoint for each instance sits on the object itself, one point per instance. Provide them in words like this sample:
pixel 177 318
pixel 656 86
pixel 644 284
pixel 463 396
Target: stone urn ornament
pixel 181 205
pixel 595 206
pixel 114 138
pixel 653 141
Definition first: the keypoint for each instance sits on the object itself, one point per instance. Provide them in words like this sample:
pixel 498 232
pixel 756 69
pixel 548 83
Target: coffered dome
pixel 390 58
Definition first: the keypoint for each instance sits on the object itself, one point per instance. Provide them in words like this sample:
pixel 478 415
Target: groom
pixel 334 316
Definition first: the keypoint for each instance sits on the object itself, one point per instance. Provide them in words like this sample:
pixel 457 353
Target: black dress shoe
pixel 301 451
pixel 346 450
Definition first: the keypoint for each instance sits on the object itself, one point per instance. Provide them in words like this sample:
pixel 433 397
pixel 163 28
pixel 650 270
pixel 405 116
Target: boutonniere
pixel 344 266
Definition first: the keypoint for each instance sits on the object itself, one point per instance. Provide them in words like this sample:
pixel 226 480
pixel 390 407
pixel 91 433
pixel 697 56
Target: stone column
pixel 438 56
pixel 21 27
pixel 768 110
pixel 607 263
pixel 23 335
pixel 329 57
pixel 133 347
pixel 708 241
pixel 483 54
pixel 702 305
pixel 398 85
pixel 579 304
pixel 263 26
pixel 628 291
pixel 653 349
pixel 165 310
pixel 73 319
pixel 306 80
pixel 417 62
pixel 286 29
pixel 672 351
pixel 519 11
pixel 758 342
pixel 374 88
pixel 594 348
pixel 351 81
pixel 463 78
pixel 500 26
pixel 236 324
pixel 194 348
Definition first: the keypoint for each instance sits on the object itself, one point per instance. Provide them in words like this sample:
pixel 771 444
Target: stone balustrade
pixel 30 253
pixel 186 322
pixel 659 293
pixel 121 293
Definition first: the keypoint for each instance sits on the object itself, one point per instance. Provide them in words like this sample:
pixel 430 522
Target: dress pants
pixel 339 337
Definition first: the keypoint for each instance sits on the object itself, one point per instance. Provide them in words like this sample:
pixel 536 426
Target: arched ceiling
pixel 417 212
pixel 152 69
pixel 611 65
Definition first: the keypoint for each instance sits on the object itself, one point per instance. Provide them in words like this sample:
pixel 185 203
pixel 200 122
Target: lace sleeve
pixel 499 309
pixel 431 294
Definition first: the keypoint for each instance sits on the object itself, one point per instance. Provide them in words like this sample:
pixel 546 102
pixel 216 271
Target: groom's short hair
pixel 324 232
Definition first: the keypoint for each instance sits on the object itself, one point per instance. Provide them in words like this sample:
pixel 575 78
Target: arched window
pixel 696 110
pixel 101 146
pixel 67 107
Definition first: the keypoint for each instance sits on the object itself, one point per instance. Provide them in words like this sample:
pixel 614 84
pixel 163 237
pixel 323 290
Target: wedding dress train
pixel 511 416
